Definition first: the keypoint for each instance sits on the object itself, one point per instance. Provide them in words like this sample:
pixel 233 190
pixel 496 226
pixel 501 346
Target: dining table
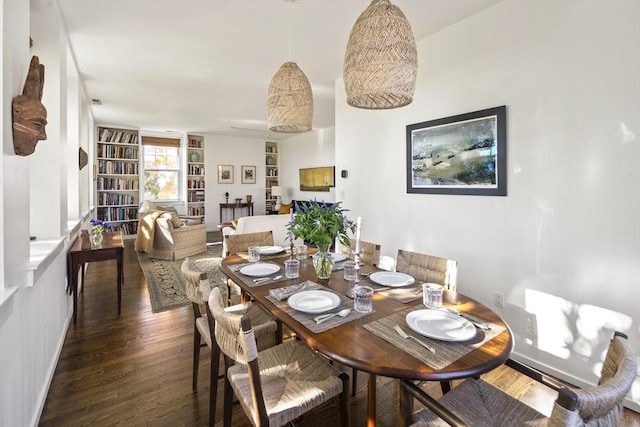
pixel 369 342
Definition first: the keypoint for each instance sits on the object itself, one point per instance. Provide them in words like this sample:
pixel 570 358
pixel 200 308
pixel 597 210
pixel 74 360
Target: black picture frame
pixel 464 154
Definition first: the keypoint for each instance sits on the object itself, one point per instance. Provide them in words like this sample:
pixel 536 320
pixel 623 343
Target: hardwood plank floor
pixel 135 369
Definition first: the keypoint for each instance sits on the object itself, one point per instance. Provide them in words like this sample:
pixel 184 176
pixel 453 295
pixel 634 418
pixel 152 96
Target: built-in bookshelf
pixel 117 179
pixel 195 176
pixel 271 174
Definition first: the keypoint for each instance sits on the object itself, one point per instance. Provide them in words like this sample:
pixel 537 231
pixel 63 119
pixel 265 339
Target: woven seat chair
pixel 197 289
pixel 428 268
pixel 370 252
pixel 277 385
pixel 235 243
pixel 477 403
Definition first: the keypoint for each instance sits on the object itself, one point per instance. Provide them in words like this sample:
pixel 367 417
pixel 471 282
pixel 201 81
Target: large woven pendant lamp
pixel 381 61
pixel 290 99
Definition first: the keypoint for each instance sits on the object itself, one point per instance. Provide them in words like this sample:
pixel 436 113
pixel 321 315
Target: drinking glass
pixel 350 270
pixel 363 299
pixel 254 253
pixel 432 295
pixel 291 268
pixel 301 252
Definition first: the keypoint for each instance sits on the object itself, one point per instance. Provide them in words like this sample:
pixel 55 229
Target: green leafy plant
pixel 97 226
pixel 321 223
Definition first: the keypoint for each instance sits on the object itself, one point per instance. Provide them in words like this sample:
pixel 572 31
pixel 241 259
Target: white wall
pixel 564 245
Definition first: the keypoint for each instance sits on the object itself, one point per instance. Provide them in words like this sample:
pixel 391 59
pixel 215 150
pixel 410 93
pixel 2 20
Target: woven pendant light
pixel 290 100
pixel 381 61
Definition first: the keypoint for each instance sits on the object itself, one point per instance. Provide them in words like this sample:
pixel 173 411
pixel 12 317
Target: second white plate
pixel 338 257
pixel 440 325
pixel 270 250
pixel 391 278
pixel 259 269
pixel 314 301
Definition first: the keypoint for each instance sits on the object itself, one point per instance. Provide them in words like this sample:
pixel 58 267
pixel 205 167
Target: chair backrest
pixel 241 242
pixel 196 283
pixel 428 268
pixel 602 404
pixel 370 252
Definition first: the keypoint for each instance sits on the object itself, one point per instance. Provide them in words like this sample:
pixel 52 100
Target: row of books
pixel 127 228
pixel 119 168
pixel 195 170
pixel 195 210
pixel 195 196
pixel 118 136
pixel 117 152
pixel 195 143
pixel 116 199
pixel 195 183
pixel 114 213
pixel 109 183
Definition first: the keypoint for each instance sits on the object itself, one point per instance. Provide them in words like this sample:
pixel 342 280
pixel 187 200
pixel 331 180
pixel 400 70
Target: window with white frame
pixel 161 165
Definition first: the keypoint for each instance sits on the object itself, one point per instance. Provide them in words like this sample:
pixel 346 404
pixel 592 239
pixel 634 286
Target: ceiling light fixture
pixel 290 99
pixel 381 61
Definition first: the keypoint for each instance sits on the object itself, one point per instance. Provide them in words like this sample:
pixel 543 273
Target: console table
pixel 112 248
pixel 233 206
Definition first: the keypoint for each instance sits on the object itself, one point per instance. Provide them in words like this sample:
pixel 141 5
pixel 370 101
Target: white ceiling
pixel 204 66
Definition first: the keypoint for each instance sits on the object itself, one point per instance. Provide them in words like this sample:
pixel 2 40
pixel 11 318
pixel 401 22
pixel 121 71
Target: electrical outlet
pixel 498 299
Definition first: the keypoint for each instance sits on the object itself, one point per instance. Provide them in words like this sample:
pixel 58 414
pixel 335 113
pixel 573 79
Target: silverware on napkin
pixel 477 322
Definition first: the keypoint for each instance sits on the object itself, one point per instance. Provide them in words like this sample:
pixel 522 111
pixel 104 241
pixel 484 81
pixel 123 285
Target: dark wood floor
pixel 135 369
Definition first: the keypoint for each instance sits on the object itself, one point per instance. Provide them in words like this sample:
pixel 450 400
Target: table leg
pixel 120 279
pixel 74 289
pixel 371 401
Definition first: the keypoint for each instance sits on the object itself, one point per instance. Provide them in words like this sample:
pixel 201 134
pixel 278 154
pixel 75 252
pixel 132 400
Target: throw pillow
pixel 285 209
pixel 173 217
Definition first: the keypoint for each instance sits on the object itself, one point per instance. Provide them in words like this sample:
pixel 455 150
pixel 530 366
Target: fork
pixel 266 279
pixel 403 334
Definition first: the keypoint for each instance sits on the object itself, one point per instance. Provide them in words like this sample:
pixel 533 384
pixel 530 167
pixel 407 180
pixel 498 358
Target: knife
pixel 477 322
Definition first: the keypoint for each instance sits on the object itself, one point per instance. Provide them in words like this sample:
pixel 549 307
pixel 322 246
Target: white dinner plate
pixel 440 325
pixel 259 269
pixel 314 301
pixel 338 257
pixel 391 278
pixel 270 250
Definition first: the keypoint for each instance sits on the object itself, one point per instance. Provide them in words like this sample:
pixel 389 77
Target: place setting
pixel 396 285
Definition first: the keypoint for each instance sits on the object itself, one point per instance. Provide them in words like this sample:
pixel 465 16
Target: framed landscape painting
pixel 463 154
pixel 248 174
pixel 225 174
pixel 317 179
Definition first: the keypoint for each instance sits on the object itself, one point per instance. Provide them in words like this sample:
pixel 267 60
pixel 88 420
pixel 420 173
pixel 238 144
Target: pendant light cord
pixel 289 1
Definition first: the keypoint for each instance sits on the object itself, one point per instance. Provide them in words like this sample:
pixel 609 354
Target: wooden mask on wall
pixel 29 115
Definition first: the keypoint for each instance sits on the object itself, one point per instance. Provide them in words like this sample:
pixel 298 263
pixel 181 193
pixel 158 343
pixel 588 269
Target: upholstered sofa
pixel 252 224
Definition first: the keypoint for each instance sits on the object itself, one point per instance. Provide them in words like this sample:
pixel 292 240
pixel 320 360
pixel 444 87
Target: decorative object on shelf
pixel 238 200
pixel 289 99
pixel 317 179
pixel 225 174
pixel 248 174
pixel 381 60
pixel 29 114
pixel 226 197
pixel 278 192
pixel 321 224
pixel 97 228
pixel 83 158
pixel 473 147
pixel 249 198
pixel 194 156
pixel 84 238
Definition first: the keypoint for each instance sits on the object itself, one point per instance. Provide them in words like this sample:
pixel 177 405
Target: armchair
pixel 161 234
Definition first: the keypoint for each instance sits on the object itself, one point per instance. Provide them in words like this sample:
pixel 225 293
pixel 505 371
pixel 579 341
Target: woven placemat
pixel 283 254
pixel 446 352
pixel 306 319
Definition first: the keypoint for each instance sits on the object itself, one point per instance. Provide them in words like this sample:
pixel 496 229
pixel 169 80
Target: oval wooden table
pixel 354 346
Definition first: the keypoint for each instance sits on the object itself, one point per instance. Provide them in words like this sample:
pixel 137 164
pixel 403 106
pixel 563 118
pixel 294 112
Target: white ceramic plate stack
pixel 391 278
pixel 259 269
pixel 440 325
pixel 314 301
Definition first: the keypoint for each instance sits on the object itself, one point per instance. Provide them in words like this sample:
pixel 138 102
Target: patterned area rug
pixel 164 279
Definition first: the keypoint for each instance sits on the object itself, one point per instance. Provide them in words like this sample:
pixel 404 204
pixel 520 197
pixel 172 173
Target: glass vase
pixel 96 238
pixel 323 262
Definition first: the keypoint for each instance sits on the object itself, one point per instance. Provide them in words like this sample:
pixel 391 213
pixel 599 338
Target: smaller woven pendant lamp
pixel 381 61
pixel 290 99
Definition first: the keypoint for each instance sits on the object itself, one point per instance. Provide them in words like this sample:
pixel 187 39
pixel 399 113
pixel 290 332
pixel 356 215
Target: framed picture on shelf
pixel 464 154
pixel 248 174
pixel 225 174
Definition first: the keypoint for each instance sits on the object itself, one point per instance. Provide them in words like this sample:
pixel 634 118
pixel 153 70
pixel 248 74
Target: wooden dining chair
pixel 476 402
pixel 274 386
pixel 235 243
pixel 428 268
pixel 370 252
pixel 197 289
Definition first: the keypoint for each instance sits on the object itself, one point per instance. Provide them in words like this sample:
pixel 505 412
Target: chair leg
pixel 228 394
pixel 196 356
pixel 354 381
pixel 278 332
pixel 345 406
pixel 213 384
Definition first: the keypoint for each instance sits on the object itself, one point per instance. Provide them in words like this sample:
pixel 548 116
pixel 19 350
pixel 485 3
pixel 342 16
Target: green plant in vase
pixel 97 228
pixel 321 224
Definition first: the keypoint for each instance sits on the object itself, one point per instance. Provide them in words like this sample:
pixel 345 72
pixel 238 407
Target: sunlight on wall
pixel 565 327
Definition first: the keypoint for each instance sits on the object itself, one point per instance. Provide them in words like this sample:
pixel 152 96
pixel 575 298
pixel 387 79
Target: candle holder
pixel 226 198
pixel 351 291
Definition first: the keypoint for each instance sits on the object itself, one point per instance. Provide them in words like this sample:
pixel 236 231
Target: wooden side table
pixel 112 248
pixel 233 206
